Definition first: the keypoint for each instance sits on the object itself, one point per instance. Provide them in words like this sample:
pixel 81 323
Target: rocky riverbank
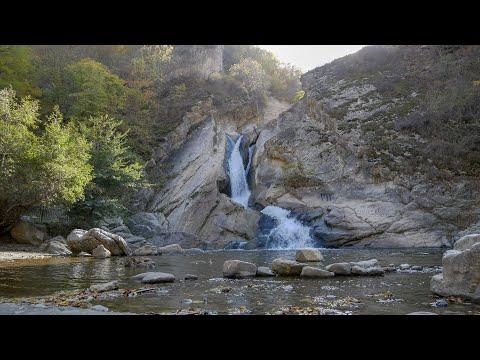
pixel 194 283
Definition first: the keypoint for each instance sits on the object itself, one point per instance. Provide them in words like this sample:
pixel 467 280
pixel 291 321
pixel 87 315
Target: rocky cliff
pixel 381 151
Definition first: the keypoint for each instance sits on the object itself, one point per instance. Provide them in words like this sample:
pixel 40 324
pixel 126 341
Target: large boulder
pixel 308 255
pixel 80 240
pixel 25 232
pixel 154 277
pixel 461 274
pixel 284 267
pixel 466 242
pixel 340 268
pixel 366 268
pixel 56 247
pixel 170 249
pixel 237 269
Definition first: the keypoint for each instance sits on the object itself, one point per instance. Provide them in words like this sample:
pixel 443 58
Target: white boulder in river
pixel 81 240
pixel 461 271
pixel 308 255
pixel 237 269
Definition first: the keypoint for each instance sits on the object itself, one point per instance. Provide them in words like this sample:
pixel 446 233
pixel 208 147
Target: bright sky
pixel 308 57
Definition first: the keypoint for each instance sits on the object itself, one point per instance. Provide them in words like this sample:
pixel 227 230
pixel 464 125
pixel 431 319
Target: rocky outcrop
pixel 56 247
pixel 80 240
pixel 461 272
pixel 342 152
pixel 192 202
pixel 466 242
pixel 25 232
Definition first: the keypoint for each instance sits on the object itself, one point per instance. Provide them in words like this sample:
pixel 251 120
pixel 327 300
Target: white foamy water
pixel 289 232
pixel 238 176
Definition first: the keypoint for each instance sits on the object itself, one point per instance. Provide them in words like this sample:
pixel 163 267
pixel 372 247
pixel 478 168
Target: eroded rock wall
pixel 317 156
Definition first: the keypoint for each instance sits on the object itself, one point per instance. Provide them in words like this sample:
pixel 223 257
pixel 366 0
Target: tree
pixel 17 69
pixel 116 171
pixel 42 165
pixel 91 89
pixel 251 75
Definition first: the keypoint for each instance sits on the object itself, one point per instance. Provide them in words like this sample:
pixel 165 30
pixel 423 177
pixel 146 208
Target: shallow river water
pixel 394 293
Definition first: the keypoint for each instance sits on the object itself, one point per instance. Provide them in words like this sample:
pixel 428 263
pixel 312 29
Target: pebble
pixel 441 303
pixel 191 277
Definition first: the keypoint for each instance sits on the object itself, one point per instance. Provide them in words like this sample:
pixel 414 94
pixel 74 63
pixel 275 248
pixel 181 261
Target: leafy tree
pixel 251 75
pixel 91 89
pixel 40 165
pixel 17 69
pixel 281 80
pixel 116 170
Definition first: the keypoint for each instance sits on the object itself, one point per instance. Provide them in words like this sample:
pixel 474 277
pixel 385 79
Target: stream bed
pixel 394 293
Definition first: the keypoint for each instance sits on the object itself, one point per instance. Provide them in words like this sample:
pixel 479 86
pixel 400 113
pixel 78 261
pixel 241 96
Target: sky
pixel 308 57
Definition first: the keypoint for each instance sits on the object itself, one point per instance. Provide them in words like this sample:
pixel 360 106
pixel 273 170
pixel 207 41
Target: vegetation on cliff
pixel 95 113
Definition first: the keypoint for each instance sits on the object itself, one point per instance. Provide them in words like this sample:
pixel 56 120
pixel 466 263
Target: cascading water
pixel 288 233
pixel 238 175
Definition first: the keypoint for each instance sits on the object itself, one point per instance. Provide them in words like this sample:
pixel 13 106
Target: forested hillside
pixel 79 122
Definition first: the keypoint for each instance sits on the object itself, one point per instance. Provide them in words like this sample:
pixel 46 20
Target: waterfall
pixel 238 175
pixel 288 233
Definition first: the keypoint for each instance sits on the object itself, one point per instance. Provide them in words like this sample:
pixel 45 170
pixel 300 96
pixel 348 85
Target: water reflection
pixel 406 292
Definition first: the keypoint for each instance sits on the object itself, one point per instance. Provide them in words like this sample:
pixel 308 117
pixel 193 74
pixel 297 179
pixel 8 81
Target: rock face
pixel 80 240
pixel 345 151
pixel 25 232
pixel 236 269
pixel 192 202
pixel 284 267
pixel 308 255
pixel 466 242
pixel 461 273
